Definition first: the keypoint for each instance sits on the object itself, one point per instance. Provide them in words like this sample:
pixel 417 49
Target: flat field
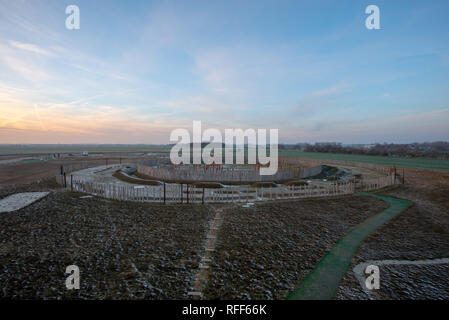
pixel 416 163
pixel 27 171
pixel 30 149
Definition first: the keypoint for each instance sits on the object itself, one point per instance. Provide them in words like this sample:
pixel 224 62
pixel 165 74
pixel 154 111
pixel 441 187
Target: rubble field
pixel 123 250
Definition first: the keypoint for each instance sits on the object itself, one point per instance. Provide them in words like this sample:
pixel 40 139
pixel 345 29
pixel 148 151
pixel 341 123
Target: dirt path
pixel 322 283
pixel 203 273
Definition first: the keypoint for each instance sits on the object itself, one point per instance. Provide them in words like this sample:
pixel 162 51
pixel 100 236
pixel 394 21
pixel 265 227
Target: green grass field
pixel 416 163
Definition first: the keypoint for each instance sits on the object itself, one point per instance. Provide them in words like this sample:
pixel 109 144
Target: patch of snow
pixel 20 200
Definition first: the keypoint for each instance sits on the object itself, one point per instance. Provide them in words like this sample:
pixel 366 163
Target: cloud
pixel 318 100
pixel 25 70
pixel 30 48
pixel 24 121
pixel 22 65
pixel 217 69
pixel 331 90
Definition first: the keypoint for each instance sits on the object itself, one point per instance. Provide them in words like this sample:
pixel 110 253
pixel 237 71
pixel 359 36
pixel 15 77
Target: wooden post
pixel 181 193
pixel 71 182
pixel 65 181
pixel 202 200
pixel 187 193
pixel 164 193
pixel 394 174
pixel 403 176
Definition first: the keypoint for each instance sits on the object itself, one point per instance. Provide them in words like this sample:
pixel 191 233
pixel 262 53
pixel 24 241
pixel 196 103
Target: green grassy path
pixel 322 282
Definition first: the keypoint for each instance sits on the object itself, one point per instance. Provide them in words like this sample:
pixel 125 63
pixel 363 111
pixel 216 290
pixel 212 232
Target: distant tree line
pixel 436 150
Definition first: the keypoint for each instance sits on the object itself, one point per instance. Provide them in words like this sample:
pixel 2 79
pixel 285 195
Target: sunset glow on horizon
pixel 135 71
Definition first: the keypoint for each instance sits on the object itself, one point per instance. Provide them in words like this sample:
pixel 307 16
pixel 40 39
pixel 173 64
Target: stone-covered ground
pixel 123 250
pixel 420 232
pixel 263 251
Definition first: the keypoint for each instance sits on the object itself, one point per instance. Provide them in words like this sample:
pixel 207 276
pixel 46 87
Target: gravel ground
pixel 404 282
pixel 123 250
pixel 262 252
pixel 414 282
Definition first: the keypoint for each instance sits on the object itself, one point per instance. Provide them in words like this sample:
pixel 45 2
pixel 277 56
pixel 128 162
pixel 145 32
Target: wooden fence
pixel 64 176
pixel 184 193
pixel 376 183
pixel 213 173
pixel 244 173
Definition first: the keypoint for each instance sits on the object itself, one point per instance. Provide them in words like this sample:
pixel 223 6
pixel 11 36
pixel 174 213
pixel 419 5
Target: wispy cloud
pixel 29 121
pixel 331 90
pixel 22 65
pixel 320 99
pixel 30 48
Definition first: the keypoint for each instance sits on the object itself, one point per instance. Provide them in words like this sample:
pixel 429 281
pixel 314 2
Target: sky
pixel 136 70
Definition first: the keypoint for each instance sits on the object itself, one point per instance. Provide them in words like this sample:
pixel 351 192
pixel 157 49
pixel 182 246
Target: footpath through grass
pixel 322 282
pixel 415 163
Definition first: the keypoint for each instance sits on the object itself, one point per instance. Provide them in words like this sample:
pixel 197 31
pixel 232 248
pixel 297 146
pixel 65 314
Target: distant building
pixel 85 153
